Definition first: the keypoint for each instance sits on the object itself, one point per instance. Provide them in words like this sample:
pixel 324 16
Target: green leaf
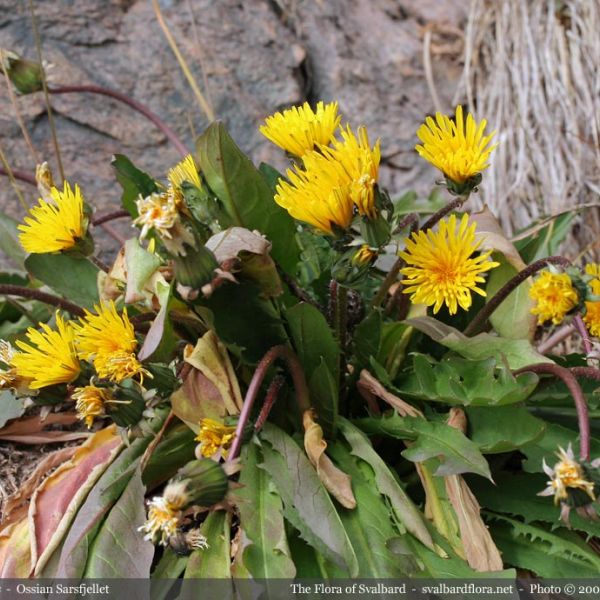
pixel 324 395
pixel 160 340
pixel 119 550
pixel 141 265
pixel 405 513
pixel 245 194
pixel 261 520
pixel 516 494
pixel 134 182
pixel 213 562
pixel 307 505
pixel 166 573
pixel 243 319
pixel 518 353
pixel 545 240
pixel 10 407
pixel 310 563
pixel 9 240
pixel 434 439
pixel 369 526
pixel 72 278
pixel 513 318
pixel 503 429
pixel 555 436
pixel 431 439
pixel 459 381
pixel 312 338
pixel 559 554
pixel 366 338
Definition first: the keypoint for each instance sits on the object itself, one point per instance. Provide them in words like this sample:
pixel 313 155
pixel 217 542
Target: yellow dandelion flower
pixel 184 171
pixel 364 255
pixel 90 402
pixel 54 226
pixel 332 183
pixel 316 195
pixel 50 357
pixel 554 296
pixel 441 268
pixel 300 129
pixel 107 339
pixel 566 474
pixel 214 436
pixel 457 148
pixel 358 165
pixel 592 309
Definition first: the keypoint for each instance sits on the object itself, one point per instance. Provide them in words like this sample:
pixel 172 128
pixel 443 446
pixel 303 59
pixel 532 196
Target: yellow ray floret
pixel 184 171
pixel 441 268
pixel 90 402
pixel 358 165
pixel 49 357
pixel 214 436
pixel 300 129
pixel 554 296
pixel 333 182
pixel 107 339
pixel 457 148
pixel 57 225
pixel 592 309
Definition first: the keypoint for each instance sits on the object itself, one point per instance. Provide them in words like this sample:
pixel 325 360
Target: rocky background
pixel 249 57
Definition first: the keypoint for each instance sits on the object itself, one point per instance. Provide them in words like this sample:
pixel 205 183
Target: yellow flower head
pixel 554 295
pixel 592 309
pixel 54 226
pixel 184 171
pixel 214 436
pixel 358 165
pixel 364 255
pixel 332 183
pixel 50 356
pixel 91 402
pixel 299 130
pixel 566 474
pixel 441 268
pixel 108 340
pixel 458 149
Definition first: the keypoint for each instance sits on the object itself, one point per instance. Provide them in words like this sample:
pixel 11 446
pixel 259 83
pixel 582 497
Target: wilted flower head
pixel 554 295
pixel 214 437
pixel 569 484
pixel 300 129
pixel 441 268
pixel 9 377
pixel 57 225
pixel 91 402
pixel 49 357
pixel 364 255
pixel 457 148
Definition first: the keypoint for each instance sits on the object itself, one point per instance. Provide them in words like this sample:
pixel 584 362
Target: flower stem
pixel 141 108
pixel 587 372
pixel 20 175
pixel 24 292
pixel 300 387
pixel 270 398
pixel 111 216
pixel 583 332
pixel 556 338
pixel 440 214
pixel 96 261
pixel 495 301
pixel 569 379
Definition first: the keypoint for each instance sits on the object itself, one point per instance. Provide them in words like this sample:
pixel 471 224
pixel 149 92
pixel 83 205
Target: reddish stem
pixel 571 382
pixel 302 396
pixel 141 108
pixel 24 292
pixel 583 332
pixel 495 301
pixel 587 372
pixel 270 398
pixel 111 216
pixel 20 175
pixel 440 214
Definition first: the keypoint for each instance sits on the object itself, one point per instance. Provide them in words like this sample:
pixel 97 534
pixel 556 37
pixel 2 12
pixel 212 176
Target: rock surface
pixel 250 58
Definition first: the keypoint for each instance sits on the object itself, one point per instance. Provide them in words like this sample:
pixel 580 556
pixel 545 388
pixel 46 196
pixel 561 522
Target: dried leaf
pixel 367 384
pixel 15 549
pixel 56 500
pixel 210 357
pixel 30 430
pixel 337 482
